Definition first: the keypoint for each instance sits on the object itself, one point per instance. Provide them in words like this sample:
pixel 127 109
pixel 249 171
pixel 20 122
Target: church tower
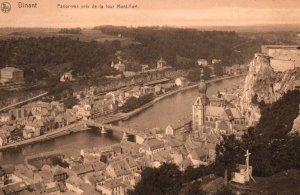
pixel 199 108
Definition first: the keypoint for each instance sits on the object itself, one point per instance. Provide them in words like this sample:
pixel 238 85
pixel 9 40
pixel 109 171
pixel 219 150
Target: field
pixel 86 35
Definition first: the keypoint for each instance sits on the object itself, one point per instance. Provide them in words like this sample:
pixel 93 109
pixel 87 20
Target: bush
pixel 165 180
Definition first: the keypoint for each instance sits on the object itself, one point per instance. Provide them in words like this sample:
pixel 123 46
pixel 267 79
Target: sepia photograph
pixel 149 97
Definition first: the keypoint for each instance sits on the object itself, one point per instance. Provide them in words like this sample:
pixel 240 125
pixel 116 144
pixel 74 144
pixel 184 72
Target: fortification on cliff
pixel 271 74
pixel 282 57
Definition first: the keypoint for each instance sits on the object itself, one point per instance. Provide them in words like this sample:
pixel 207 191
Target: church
pixel 215 115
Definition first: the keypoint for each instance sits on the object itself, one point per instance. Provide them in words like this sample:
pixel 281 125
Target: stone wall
pixel 283 57
pixel 282 65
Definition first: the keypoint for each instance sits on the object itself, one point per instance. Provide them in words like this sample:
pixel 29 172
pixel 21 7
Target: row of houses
pixel 120 96
pixel 236 69
pixel 34 119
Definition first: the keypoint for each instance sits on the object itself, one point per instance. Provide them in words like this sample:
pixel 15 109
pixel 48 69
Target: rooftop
pixel 11 69
pixel 154 142
pixel 14 188
pixel 112 184
pixel 120 167
pixel 6 169
pixel 281 46
pixel 157 81
pixel 83 168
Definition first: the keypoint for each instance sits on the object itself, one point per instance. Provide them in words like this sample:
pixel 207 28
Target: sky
pixel 153 12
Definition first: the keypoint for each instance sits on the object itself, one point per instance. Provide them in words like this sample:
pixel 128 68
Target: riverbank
pixel 108 119
pixel 124 116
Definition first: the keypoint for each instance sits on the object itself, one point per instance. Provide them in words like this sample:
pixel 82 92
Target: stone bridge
pixel 106 127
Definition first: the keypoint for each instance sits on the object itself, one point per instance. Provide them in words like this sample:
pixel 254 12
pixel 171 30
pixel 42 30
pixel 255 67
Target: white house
pixel 161 63
pixel 3 139
pixel 170 130
pixel 119 66
pixel 32 129
pixel 181 82
pixel 216 61
pixel 67 76
pixel 82 111
pixel 4 117
pixel 202 62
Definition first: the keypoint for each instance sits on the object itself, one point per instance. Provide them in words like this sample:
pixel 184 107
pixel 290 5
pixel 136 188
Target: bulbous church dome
pixel 202 87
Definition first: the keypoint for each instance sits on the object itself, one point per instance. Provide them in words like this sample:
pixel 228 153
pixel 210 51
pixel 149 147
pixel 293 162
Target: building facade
pixel 161 63
pixel 282 57
pixel 214 115
pixel 103 107
pixel 11 74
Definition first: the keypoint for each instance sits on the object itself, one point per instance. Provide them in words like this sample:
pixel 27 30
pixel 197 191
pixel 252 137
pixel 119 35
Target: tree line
pixel 36 52
pixel 188 43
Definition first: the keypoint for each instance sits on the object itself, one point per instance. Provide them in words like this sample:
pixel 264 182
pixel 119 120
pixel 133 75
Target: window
pixel 211 119
pixel 206 118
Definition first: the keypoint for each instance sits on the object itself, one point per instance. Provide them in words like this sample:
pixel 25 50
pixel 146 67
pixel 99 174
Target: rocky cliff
pixel 264 84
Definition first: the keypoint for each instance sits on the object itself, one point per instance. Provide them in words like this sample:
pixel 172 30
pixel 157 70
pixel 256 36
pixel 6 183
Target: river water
pixel 175 109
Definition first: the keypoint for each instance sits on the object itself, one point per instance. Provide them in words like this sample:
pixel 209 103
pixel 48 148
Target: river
pixel 174 109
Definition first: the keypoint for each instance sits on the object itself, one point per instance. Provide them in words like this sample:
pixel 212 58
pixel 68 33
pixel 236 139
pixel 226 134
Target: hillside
pixel 229 46
pixel 92 50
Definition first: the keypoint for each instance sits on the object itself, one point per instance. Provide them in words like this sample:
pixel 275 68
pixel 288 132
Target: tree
pixel 165 180
pixel 228 153
pixel 70 102
pixel 194 189
pixel 59 161
pixel 133 102
pixel 224 191
pixel 219 69
pixel 272 150
pixel 191 173
pixel 194 75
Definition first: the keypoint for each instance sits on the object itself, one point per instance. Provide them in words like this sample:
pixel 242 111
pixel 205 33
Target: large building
pixel 236 69
pixel 214 115
pixel 282 57
pixel 161 63
pixel 120 67
pixel 102 107
pixel 11 74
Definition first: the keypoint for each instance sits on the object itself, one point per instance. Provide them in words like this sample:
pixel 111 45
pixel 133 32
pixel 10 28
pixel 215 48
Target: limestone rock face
pixel 296 126
pixel 259 82
pixel 264 84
